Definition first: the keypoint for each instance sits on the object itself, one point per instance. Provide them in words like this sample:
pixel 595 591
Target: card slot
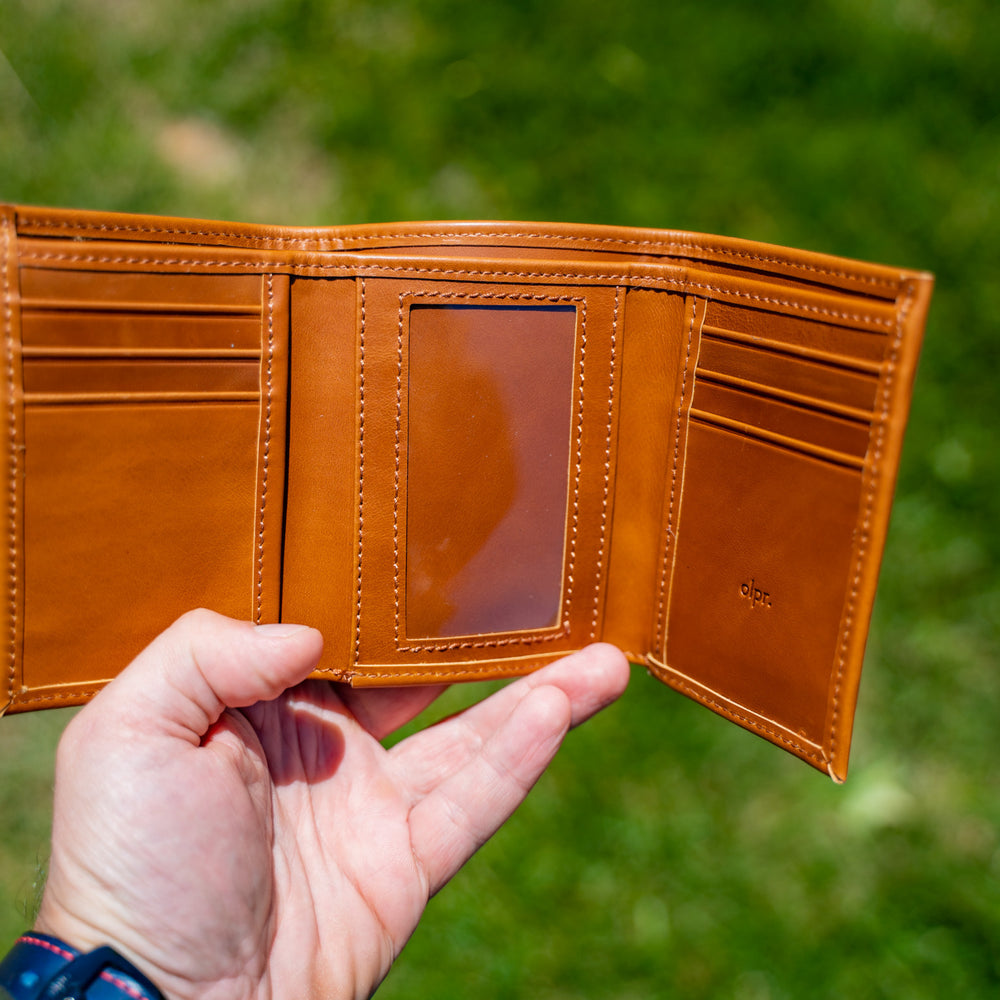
pixel 116 290
pixel 137 353
pixel 56 377
pixel 793 350
pixel 40 399
pixel 805 379
pixel 137 306
pixel 791 421
pixel 796 331
pixel 806 402
pixel 740 429
pixel 133 332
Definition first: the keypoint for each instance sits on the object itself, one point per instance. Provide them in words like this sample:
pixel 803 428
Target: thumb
pixel 204 663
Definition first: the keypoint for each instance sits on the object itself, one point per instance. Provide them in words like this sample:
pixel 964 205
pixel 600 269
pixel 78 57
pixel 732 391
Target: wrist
pixel 42 967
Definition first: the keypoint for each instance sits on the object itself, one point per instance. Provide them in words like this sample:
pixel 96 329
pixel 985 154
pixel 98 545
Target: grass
pixel 665 853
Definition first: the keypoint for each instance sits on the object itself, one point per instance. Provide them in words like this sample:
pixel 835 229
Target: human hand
pixel 281 850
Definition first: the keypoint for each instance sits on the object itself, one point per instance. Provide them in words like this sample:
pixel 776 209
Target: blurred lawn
pixel 666 853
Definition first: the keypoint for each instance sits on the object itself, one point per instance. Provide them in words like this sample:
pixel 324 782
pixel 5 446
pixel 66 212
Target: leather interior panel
pixel 169 539
pixel 319 570
pixel 761 568
pixel 656 346
pixel 459 449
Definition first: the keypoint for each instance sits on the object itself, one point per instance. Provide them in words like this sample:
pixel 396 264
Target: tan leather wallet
pixel 459 449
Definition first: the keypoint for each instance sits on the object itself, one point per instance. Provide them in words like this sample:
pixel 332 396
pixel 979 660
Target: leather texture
pixel 461 450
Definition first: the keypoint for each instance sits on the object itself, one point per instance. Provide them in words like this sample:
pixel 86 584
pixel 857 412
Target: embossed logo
pixel 757 597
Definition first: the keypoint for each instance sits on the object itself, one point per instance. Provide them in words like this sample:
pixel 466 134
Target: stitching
pixel 48 946
pixel 607 469
pixel 727 710
pixel 396 476
pixel 267 448
pixel 125 987
pixel 29 222
pixel 12 458
pixel 108 977
pixel 530 638
pixel 661 611
pixel 361 479
pixel 515 640
pixel 354 269
pixel 503 668
pixel 73 696
pixel 304 241
pixel 578 471
pixel 877 445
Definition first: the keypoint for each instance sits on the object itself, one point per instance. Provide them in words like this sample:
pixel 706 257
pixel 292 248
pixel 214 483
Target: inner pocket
pixel 134 513
pixel 764 543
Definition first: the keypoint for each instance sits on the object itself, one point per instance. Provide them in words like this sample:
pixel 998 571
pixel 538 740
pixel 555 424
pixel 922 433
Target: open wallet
pixel 460 450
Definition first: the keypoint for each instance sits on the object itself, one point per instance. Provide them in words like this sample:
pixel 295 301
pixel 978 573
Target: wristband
pixel 41 967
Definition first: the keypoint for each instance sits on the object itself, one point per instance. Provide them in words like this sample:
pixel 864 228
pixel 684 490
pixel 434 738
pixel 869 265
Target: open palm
pixel 239 832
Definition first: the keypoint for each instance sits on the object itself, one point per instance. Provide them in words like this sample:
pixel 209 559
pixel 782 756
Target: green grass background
pixel 666 853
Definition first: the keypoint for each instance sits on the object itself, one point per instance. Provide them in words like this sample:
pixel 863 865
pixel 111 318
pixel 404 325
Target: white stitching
pixel 12 458
pixel 496 669
pixel 607 470
pixel 396 473
pixel 669 534
pixel 727 710
pixel 267 447
pixel 361 477
pixel 76 696
pixel 863 539
pixel 529 639
pixel 355 269
pixel 319 242
pixel 571 567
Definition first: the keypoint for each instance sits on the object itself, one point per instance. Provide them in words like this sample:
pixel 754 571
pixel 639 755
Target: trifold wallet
pixel 460 450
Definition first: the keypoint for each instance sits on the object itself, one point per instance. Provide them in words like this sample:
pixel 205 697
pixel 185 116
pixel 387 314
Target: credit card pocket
pixel 779 432
pixel 142 400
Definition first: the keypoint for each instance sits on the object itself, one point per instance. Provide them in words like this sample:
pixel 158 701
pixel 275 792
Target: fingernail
pixel 280 630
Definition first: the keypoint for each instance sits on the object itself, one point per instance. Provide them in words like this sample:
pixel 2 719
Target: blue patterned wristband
pixel 40 967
